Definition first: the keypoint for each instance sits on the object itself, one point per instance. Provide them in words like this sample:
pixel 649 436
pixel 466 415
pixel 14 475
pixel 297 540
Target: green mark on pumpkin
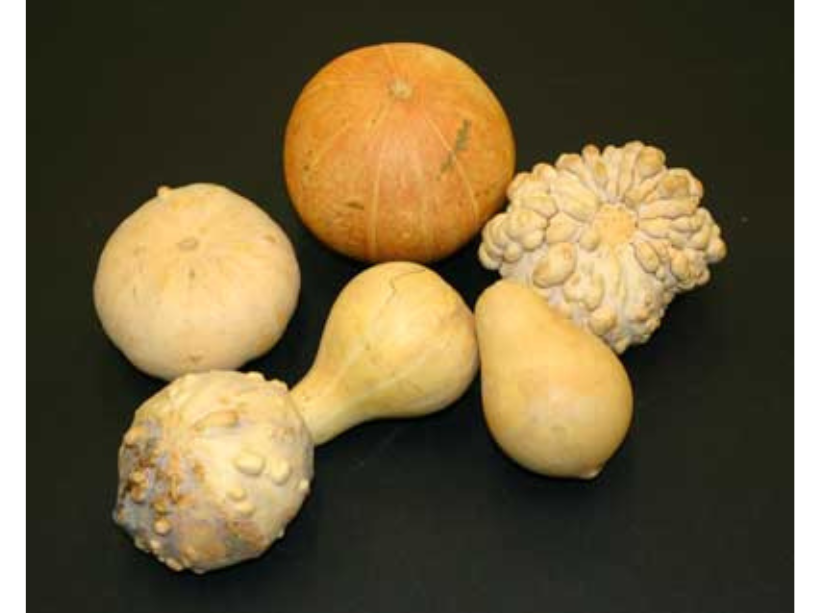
pixel 461 141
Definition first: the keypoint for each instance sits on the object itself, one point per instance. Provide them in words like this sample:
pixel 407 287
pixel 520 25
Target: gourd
pixel 212 469
pixel 197 278
pixel 555 398
pixel 397 151
pixel 398 342
pixel 216 464
pixel 608 238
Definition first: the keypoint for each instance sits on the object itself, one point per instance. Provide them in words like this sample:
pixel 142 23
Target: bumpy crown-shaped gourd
pixel 212 469
pixel 608 238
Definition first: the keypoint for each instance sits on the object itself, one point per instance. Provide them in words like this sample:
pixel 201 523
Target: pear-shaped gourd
pixel 555 398
pixel 399 342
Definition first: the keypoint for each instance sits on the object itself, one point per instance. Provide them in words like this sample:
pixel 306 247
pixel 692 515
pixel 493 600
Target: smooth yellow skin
pixel 399 342
pixel 556 399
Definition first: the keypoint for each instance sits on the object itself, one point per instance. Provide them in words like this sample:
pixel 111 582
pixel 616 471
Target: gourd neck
pixel 323 409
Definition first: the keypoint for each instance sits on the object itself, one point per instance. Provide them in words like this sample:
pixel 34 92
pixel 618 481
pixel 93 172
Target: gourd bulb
pixel 212 469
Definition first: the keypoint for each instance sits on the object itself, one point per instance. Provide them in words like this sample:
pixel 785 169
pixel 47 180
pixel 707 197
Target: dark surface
pixel 695 512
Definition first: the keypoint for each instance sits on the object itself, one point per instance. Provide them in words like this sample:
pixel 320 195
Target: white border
pixel 13 270
pixel 13 149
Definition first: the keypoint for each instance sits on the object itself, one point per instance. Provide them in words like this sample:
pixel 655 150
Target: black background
pixel 694 514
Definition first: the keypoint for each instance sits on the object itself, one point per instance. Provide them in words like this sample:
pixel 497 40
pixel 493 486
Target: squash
pixel 398 342
pixel 397 151
pixel 212 469
pixel 198 278
pixel 607 237
pixel 556 399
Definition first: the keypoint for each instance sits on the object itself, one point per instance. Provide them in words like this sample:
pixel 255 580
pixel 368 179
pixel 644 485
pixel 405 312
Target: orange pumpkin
pixel 397 151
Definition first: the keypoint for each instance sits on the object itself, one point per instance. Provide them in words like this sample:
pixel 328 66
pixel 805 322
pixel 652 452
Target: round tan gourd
pixel 198 278
pixel 399 342
pixel 397 151
pixel 556 399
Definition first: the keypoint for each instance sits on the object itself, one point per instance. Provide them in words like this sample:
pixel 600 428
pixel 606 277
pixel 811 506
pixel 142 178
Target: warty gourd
pixel 216 464
pixel 212 469
pixel 556 399
pixel 198 278
pixel 608 238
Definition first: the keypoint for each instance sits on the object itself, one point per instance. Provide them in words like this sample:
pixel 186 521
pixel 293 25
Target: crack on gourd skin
pixel 393 280
pixel 461 141
pixel 340 372
pixel 406 369
pixel 377 370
